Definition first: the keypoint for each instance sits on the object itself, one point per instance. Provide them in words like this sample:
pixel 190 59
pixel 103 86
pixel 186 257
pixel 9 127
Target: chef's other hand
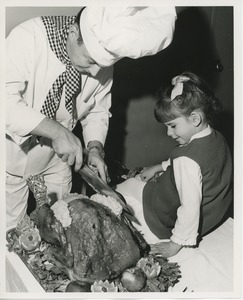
pixel 96 160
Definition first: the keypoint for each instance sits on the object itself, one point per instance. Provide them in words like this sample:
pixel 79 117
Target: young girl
pixel 192 190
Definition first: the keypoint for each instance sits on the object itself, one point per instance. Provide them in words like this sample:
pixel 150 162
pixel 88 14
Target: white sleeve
pixel 21 119
pixel 95 124
pixel 188 180
pixel 165 164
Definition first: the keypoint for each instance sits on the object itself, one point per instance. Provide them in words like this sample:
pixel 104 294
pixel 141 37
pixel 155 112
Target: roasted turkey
pixel 89 241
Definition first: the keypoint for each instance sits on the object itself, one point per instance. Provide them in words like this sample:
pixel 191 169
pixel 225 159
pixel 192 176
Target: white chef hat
pixel 111 33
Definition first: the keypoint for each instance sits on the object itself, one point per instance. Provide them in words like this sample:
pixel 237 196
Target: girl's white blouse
pixel 188 178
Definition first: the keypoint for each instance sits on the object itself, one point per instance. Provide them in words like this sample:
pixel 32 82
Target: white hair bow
pixel 178 85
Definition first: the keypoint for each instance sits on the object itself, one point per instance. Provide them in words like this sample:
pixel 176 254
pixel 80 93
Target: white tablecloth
pixel 208 268
pixel 18 277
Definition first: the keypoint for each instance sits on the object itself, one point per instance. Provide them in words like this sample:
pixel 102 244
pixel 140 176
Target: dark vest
pixel 161 199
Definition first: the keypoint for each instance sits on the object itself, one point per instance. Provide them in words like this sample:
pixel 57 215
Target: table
pixel 208 268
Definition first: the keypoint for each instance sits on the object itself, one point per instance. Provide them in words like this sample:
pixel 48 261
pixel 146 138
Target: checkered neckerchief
pixel 57 28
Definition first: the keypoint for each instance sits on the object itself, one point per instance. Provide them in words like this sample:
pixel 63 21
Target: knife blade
pixel 99 186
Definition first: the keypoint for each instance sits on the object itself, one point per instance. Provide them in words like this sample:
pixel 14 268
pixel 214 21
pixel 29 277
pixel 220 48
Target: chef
pixel 59 72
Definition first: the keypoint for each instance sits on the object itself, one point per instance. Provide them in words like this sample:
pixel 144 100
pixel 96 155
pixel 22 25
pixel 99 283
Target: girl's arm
pixel 188 179
pixel 149 172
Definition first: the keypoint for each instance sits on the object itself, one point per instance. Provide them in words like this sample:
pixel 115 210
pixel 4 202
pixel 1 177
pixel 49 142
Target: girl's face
pixel 181 129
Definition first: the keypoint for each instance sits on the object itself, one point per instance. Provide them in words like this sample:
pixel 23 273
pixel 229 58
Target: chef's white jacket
pixel 32 68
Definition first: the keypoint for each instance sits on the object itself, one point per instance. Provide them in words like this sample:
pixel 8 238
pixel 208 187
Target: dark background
pixel 203 43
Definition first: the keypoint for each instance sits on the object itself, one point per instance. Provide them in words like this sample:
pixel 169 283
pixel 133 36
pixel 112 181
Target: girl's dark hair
pixel 196 95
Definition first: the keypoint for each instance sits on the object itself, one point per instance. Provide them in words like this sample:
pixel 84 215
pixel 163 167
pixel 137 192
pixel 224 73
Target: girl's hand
pixel 149 172
pixel 166 249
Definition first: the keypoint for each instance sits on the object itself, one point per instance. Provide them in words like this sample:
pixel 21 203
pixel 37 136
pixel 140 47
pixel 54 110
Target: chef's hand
pixel 166 249
pixel 65 144
pixel 96 160
pixel 68 147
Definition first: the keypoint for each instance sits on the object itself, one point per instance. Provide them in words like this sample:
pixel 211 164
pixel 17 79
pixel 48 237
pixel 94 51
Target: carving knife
pixel 101 187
